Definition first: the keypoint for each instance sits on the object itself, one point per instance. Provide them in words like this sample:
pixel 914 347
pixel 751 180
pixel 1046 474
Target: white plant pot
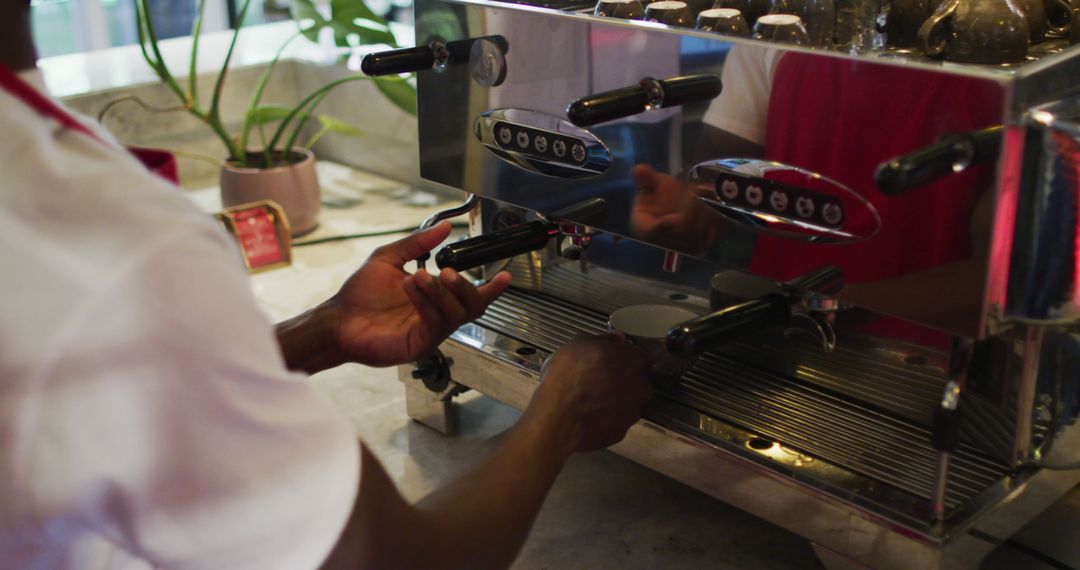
pixel 294 186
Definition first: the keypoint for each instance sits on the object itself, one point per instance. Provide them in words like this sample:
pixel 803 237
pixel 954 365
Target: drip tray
pixel 814 421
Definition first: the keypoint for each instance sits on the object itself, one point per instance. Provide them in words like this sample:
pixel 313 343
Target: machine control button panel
pixel 783 200
pixel 542 143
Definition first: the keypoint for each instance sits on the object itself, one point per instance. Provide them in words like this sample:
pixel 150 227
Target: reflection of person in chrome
pixel 842 118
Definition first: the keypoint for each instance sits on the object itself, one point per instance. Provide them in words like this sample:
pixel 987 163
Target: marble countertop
pixel 604 511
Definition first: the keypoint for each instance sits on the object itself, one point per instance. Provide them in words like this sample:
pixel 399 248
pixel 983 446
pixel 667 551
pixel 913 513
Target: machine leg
pixel 429 393
pixel 429 408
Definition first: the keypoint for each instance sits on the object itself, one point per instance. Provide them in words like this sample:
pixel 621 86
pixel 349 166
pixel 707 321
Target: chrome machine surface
pixel 881 243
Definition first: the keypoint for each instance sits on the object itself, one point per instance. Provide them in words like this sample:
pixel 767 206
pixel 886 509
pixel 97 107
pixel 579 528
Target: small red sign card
pixel 261 230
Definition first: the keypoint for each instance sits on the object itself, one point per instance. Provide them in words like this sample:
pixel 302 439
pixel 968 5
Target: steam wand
pixel 470 202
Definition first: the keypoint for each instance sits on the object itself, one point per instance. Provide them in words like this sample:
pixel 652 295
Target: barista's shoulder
pixel 20 125
pixel 68 178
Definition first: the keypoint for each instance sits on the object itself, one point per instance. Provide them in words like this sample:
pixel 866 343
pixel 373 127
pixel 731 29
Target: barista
pixel 148 417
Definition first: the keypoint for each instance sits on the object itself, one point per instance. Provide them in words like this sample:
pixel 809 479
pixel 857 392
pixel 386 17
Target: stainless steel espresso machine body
pixel 882 247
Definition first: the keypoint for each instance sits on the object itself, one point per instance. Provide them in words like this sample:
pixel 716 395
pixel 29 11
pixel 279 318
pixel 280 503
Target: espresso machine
pixel 880 242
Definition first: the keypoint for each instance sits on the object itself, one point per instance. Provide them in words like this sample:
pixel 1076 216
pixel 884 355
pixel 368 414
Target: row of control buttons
pixel 806 204
pixel 540 143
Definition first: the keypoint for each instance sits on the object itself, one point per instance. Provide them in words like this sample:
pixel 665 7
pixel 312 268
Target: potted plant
pixel 281 167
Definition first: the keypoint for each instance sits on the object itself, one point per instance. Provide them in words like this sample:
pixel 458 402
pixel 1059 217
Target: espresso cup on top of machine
pixel 902 20
pixel 1045 18
pixel 991 31
pixel 622 9
pixel 784 28
pixel 671 13
pixel 818 17
pixel 723 21
pixel 750 9
pixel 646 327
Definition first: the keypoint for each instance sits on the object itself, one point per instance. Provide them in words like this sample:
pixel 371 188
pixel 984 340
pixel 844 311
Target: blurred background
pixel 71 26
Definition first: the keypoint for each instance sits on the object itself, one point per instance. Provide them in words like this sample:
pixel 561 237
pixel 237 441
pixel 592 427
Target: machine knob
pixel 515 240
pixel 407 60
pixel 648 94
pixel 494 246
pixel 953 153
pixel 436 56
pixel 729 324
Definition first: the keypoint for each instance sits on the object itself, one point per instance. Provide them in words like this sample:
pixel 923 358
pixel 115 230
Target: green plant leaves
pixel 338 126
pixel 353 17
pixel 267 114
pixel 400 92
pixel 352 21
pixel 303 11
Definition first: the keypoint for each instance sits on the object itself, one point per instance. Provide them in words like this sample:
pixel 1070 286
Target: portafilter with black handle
pixel 523 238
pixel 807 294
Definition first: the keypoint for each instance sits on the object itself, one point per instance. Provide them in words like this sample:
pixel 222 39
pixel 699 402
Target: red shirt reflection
pixel 842 118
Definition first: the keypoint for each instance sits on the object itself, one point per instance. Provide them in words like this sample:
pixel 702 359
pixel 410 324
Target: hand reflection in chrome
pixel 666 212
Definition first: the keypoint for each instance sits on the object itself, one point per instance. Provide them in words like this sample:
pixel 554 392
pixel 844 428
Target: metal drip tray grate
pixel 816 420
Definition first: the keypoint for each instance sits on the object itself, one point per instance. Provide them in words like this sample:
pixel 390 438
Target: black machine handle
pixel 729 324
pixel 952 153
pixel 826 280
pixel 649 94
pixel 393 62
pixel 589 213
pixel 515 240
pixel 491 247
pixel 421 58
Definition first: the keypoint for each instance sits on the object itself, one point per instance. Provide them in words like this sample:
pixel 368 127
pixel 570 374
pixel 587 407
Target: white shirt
pixel 146 416
pixel 743 104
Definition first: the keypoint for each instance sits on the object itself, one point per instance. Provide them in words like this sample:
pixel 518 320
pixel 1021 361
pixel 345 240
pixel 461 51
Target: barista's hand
pixel 387 316
pixel 668 213
pixel 596 386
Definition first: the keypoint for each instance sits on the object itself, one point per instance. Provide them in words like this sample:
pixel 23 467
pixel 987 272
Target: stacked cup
pixel 622 9
pixel 723 21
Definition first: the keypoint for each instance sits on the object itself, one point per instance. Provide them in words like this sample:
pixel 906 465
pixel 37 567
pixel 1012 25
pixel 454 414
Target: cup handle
pixel 1059 16
pixel 802 36
pixel 931 39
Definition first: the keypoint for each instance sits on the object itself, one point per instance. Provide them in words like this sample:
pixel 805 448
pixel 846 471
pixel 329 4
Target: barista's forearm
pixel 485 515
pixel 479 521
pixel 309 341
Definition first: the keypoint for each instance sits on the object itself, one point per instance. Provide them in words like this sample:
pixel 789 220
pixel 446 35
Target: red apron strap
pixel 32 98
pixel 157 161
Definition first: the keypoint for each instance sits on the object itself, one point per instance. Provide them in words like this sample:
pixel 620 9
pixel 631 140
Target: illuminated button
pixel 804 206
pixel 559 147
pixel 832 213
pixel 578 152
pixel 729 189
pixel 523 139
pixel 540 143
pixel 505 134
pixel 754 195
pixel 778 200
